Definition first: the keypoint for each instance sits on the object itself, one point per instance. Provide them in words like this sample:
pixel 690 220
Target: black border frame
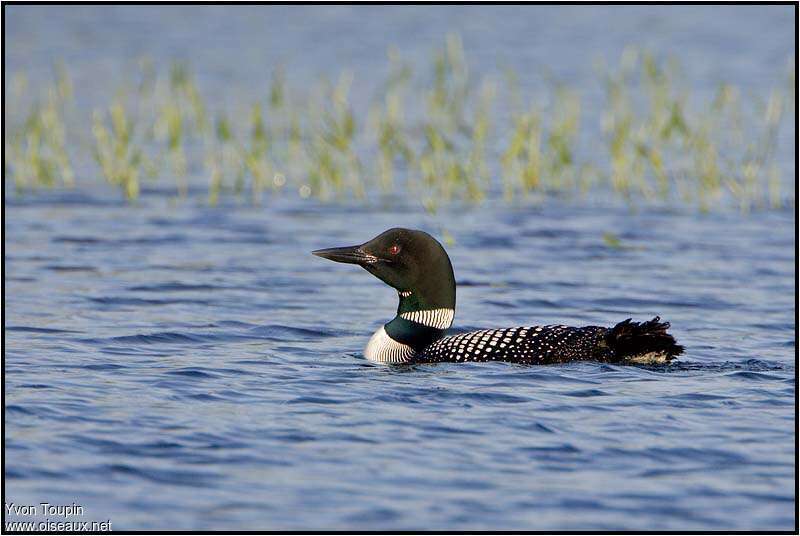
pixel 370 2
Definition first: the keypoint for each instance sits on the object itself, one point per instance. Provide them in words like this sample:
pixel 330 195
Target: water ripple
pixel 229 382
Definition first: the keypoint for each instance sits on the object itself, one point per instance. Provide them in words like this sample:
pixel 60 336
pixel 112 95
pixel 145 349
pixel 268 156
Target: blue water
pixel 174 366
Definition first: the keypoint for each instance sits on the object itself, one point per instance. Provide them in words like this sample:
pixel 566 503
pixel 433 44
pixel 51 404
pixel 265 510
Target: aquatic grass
pixel 391 141
pixel 182 119
pixel 436 135
pixel 562 138
pixel 522 159
pixel 709 153
pixel 452 163
pixel 223 164
pixel 541 156
pixel 335 167
pixel 114 152
pixel 388 126
pixel 37 149
pixel 478 171
pixel 255 156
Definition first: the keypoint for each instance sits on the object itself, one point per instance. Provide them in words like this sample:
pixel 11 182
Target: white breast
pixel 381 348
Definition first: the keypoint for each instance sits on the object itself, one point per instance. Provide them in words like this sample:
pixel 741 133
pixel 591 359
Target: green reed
pixel 388 125
pixel 435 135
pixel 36 149
pixel 115 152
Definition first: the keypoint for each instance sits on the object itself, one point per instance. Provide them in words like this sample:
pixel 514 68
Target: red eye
pixel 394 250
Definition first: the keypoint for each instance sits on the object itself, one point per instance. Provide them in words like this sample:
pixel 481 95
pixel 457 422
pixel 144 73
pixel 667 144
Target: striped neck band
pixel 432 318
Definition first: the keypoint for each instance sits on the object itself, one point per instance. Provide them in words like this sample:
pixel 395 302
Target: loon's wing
pixel 631 342
pixel 528 344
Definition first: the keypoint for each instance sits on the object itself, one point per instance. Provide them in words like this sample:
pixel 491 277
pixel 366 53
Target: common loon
pixel 418 267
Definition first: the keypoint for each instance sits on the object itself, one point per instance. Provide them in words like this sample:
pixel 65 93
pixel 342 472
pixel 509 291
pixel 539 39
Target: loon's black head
pixel 411 261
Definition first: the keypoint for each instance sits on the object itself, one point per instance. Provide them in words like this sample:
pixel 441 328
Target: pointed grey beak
pixel 349 255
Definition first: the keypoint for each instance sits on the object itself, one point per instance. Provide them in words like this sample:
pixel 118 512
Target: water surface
pixel 187 367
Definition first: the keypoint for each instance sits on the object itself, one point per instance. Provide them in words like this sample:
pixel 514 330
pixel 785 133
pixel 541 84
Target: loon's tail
pixel 643 342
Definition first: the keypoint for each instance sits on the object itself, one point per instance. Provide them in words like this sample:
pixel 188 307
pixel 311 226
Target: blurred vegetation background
pixel 433 133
